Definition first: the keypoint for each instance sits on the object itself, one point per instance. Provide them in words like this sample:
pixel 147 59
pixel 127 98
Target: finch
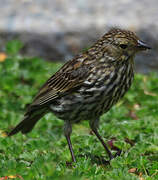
pixel 87 86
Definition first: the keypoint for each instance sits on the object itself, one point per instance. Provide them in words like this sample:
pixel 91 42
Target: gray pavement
pixel 59 29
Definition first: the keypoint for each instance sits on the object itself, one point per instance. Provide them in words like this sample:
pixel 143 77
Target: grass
pixel 131 125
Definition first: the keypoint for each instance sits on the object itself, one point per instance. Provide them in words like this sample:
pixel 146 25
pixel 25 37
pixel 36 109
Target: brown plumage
pixel 88 85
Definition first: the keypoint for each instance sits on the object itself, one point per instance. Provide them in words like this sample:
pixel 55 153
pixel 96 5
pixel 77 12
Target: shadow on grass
pixel 99 160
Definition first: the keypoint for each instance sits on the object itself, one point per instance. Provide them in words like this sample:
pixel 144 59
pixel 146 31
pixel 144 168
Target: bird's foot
pixel 118 153
pixel 70 164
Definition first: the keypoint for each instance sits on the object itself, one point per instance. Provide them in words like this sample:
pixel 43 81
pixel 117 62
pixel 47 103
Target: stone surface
pixel 59 29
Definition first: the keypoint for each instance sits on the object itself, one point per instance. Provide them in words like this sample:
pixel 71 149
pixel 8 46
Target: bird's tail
pixel 28 122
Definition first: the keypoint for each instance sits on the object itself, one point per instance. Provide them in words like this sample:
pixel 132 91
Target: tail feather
pixel 29 121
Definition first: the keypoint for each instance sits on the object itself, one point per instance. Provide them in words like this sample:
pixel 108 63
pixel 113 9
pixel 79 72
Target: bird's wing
pixel 70 76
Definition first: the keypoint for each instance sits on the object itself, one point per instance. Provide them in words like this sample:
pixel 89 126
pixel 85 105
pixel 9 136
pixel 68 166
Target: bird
pixel 87 86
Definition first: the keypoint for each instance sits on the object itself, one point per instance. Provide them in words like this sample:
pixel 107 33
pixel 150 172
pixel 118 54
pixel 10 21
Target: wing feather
pixel 70 76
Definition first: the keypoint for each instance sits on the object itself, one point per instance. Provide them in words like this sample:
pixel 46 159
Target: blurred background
pixel 58 29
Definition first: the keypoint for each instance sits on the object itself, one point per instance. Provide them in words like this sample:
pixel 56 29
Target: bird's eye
pixel 123 46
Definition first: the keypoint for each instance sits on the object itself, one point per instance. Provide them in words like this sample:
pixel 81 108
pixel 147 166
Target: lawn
pixel 131 125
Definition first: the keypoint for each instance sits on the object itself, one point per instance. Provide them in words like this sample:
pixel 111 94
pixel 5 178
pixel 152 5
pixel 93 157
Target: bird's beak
pixel 142 46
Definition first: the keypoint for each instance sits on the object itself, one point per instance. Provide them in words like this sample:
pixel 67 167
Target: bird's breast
pixel 107 87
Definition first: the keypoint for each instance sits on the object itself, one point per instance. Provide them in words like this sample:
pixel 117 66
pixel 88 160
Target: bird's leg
pixel 70 148
pixel 103 143
pixel 67 132
pixel 94 126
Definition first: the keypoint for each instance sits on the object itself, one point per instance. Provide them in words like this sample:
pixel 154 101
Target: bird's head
pixel 123 44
